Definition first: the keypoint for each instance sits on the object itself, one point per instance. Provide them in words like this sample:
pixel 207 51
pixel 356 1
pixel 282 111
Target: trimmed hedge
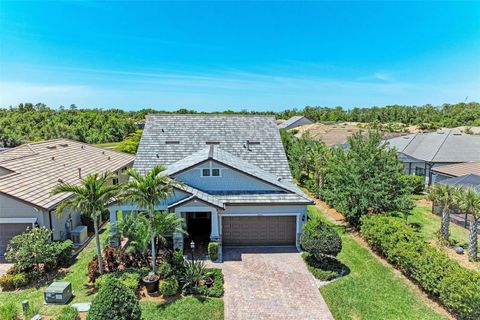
pixel 129 277
pixel 320 239
pixel 213 251
pixel 115 301
pixel 456 287
pixel 169 287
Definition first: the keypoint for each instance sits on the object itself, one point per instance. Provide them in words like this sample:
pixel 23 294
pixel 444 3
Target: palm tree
pixel 167 223
pixel 89 198
pixel 147 191
pixel 443 194
pixel 468 200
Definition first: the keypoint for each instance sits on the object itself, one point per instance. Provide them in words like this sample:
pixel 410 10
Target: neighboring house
pixel 294 122
pixel 455 170
pixel 238 188
pixel 420 152
pixel 28 174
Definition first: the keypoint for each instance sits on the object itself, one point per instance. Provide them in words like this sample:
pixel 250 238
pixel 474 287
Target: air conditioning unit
pixel 79 235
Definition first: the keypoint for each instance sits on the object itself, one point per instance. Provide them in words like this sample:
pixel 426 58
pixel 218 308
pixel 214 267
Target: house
pixel 442 173
pixel 238 189
pixel 28 174
pixel 420 152
pixel 294 122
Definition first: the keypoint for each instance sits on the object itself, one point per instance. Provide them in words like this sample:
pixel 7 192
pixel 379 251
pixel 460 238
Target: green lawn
pixel 188 308
pixel 428 224
pixel 109 145
pixel 371 289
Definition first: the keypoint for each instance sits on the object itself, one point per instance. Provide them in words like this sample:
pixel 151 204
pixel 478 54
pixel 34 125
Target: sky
pixel 219 55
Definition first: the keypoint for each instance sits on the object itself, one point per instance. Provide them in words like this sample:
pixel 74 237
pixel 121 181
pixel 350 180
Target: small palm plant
pixel 89 198
pixel 443 195
pixel 468 200
pixel 166 223
pixel 147 192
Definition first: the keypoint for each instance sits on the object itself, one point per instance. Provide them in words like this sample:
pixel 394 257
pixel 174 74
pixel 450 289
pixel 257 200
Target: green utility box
pixel 58 292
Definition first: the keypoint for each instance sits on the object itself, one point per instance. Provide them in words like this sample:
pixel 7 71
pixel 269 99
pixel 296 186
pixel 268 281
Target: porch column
pixel 214 235
pixel 114 239
pixel 178 236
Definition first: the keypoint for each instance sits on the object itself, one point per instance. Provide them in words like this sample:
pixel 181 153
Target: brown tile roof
pixel 32 170
pixel 459 169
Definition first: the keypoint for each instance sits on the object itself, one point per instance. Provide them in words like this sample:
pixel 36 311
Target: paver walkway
pixel 270 283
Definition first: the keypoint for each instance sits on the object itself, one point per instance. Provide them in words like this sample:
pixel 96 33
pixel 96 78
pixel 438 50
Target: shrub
pixel 216 289
pixel 34 247
pixel 416 184
pixel 320 239
pixel 131 279
pixel 169 286
pixel 164 269
pixel 93 272
pixel 436 273
pixel 460 292
pixel 68 313
pixel 115 302
pixel 111 259
pixel 177 262
pixel 13 281
pixel 213 251
pixel 64 250
pixel 325 269
pixel 9 311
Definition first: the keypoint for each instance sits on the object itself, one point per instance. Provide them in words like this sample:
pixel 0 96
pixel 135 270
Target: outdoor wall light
pixel 303 217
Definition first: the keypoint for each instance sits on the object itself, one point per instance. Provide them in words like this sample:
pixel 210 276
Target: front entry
pixel 259 230
pixel 199 227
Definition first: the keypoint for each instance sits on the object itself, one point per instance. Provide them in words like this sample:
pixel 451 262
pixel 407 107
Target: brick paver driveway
pixel 270 283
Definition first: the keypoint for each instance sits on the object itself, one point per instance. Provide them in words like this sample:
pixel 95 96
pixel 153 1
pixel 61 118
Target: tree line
pixel 34 122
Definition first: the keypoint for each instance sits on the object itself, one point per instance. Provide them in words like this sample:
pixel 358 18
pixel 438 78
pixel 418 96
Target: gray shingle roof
pixel 250 144
pixel 291 121
pixel 442 146
pixel 219 155
pixel 192 132
pixel 469 180
pixel 36 168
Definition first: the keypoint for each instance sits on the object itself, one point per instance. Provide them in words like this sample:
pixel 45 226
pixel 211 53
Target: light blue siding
pixel 229 180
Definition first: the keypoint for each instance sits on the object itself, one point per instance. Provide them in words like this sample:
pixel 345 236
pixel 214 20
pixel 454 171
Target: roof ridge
pixel 441 145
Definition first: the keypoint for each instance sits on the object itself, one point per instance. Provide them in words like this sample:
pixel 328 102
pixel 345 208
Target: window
pixel 419 171
pixel 115 181
pixel 216 172
pixel 211 172
pixel 206 172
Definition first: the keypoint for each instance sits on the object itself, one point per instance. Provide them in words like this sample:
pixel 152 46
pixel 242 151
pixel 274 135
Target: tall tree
pixel 364 179
pixel 443 195
pixel 89 198
pixel 147 192
pixel 468 200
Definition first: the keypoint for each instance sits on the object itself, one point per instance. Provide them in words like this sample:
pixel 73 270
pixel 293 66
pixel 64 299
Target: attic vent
pixel 250 142
pixel 81 147
pixel 172 142
pixel 440 132
pixel 53 158
pixel 212 142
pixel 158 156
pixel 163 130
pixel 457 133
pixel 63 145
pixel 51 147
pixel 406 137
pixel 60 180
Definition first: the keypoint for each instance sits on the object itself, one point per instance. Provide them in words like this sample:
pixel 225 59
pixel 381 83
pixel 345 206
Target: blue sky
pixel 253 55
